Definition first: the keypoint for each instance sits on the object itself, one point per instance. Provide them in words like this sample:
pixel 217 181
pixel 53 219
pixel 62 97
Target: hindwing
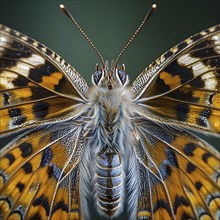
pixel 179 175
pixel 39 175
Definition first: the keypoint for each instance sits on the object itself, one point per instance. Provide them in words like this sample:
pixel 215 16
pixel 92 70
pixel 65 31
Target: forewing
pixel 182 87
pixel 39 175
pixel 36 85
pixel 179 174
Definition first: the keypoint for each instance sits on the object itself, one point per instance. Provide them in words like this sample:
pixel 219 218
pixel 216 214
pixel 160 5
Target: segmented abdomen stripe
pixel 109 181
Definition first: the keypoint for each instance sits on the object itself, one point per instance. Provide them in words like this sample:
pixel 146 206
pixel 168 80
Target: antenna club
pixel 62 6
pixel 154 6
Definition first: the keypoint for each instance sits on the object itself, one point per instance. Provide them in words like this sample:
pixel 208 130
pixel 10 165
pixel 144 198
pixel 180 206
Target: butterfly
pixel 67 147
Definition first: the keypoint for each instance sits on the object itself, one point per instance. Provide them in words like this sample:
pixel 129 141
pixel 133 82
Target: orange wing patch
pixel 46 109
pixel 169 80
pixel 52 80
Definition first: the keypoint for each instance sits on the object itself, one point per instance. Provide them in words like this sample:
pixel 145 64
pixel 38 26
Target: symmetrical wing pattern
pixel 47 119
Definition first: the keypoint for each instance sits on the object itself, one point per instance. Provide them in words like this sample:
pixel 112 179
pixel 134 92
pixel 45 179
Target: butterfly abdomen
pixel 109 181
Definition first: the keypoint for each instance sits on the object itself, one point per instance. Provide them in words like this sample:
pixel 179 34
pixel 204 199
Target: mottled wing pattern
pixel 179 173
pixel 183 86
pixel 36 85
pixel 39 175
pixel 42 139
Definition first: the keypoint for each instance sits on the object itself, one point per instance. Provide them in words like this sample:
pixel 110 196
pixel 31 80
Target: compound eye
pixel 122 76
pixel 97 76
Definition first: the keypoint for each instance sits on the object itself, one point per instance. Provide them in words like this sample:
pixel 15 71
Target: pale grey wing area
pixel 179 173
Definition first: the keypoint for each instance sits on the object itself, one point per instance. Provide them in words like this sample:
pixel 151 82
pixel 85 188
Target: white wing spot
pixel 217 49
pixel 44 49
pixel 216 40
pixel 203 33
pixel 199 68
pixel 174 49
pixel 62 62
pixel 17 33
pixel 35 43
pixel 7 78
pixel 186 60
pixel 3 41
pixel 21 68
pixel 188 40
pixel 24 38
pixel 212 29
pixel 210 80
pixel 162 58
pixel 34 59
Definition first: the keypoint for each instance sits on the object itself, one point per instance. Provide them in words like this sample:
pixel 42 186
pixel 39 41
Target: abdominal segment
pixel 109 182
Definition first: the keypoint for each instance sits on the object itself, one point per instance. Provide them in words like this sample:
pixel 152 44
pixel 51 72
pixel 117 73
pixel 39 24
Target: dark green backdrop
pixel 109 25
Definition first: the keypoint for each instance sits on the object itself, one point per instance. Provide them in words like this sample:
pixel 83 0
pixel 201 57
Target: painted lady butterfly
pixel 64 144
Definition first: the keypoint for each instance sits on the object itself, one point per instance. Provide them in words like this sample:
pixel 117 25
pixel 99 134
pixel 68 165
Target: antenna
pixel 148 15
pixel 69 15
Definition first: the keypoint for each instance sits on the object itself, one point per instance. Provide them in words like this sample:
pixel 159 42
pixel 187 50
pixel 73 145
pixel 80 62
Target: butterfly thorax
pixel 111 111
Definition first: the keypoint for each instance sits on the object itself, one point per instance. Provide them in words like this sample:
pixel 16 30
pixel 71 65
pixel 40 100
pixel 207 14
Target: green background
pixel 110 24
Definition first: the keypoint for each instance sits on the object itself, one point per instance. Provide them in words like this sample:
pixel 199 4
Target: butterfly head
pixel 110 78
